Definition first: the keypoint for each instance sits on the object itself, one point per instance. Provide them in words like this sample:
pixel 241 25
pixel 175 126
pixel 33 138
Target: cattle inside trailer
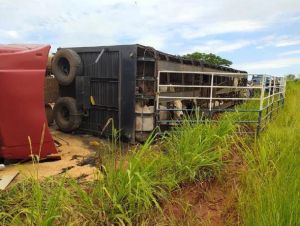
pixel 124 85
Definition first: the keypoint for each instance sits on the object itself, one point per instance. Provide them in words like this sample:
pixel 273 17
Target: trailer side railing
pixel 268 95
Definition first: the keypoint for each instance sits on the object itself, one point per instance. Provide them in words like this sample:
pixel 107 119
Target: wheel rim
pixel 65 113
pixel 64 65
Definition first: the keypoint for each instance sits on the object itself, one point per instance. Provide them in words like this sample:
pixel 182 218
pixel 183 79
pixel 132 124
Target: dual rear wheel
pixel 66 65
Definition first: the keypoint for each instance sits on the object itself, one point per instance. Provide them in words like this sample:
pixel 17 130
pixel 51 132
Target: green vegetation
pixel 290 77
pixel 129 187
pixel 196 150
pixel 208 58
pixel 270 193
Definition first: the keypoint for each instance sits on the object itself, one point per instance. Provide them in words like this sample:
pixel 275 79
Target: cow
pixel 175 105
pixel 178 109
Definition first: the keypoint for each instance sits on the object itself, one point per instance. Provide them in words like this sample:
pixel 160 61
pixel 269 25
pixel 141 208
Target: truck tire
pixel 66 65
pixel 49 114
pixel 66 114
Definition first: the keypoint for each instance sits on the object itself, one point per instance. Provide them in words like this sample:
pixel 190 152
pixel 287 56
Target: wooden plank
pixel 5 180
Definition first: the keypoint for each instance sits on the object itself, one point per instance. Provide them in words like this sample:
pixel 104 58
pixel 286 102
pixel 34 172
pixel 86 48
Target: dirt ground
pixel 207 203
pixel 75 151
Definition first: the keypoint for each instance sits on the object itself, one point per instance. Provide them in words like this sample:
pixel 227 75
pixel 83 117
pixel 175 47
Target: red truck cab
pixel 22 112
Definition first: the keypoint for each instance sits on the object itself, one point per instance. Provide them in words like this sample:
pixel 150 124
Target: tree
pixel 208 58
pixel 290 77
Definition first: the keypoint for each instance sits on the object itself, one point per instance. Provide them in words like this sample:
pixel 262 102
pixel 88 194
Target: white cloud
pixel 223 27
pixel 158 23
pixel 279 41
pixel 266 65
pixel 10 34
pixel 288 42
pixel 152 40
pixel 292 52
pixel 219 46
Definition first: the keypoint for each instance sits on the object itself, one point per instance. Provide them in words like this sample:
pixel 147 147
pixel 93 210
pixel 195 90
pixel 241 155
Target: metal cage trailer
pixel 120 86
pixel 256 102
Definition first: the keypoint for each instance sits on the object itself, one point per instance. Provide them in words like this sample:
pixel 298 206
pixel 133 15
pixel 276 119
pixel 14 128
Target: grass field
pixel 128 188
pixel 270 194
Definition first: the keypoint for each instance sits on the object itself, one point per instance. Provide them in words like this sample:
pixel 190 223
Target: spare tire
pixel 66 65
pixel 66 114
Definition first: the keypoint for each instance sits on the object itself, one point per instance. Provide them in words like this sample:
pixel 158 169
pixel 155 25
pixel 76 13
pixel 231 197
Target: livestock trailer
pixel 122 85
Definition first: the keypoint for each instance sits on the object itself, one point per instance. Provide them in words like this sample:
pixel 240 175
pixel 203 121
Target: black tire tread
pixel 74 119
pixel 75 66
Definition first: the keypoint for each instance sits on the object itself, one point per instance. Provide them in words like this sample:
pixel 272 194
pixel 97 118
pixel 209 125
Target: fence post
pixel 211 94
pixel 258 128
pixel 157 118
pixel 261 105
pixel 284 88
pixel 273 93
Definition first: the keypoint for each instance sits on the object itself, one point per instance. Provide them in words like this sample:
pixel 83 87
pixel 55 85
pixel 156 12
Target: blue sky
pixel 257 36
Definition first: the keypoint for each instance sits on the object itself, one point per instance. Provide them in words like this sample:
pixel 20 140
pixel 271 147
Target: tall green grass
pixel 126 187
pixel 270 194
pixel 196 149
pixel 129 186
pixel 33 203
pixel 140 182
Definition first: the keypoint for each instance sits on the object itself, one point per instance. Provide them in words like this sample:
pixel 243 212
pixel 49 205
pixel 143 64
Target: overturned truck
pixel 135 88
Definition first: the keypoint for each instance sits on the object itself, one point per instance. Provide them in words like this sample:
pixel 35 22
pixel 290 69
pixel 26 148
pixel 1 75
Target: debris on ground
pixel 76 159
pixel 6 179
